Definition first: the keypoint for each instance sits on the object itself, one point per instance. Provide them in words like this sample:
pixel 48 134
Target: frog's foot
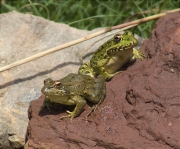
pixel 94 107
pixel 137 54
pixel 86 69
pixel 108 76
pixel 70 115
pixel 43 107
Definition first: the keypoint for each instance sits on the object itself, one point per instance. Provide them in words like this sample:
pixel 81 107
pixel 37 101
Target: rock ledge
pixel 141 109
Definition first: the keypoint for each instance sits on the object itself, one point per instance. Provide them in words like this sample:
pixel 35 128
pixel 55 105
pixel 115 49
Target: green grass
pixel 90 14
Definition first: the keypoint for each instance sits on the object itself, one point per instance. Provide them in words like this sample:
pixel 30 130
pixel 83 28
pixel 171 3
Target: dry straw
pixel 49 51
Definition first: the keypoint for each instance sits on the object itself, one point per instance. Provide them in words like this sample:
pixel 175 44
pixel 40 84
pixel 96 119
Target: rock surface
pixel 141 109
pixel 18 86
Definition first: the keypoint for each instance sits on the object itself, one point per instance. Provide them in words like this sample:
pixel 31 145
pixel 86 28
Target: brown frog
pixel 74 89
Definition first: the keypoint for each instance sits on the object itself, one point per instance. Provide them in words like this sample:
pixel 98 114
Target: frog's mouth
pixel 51 91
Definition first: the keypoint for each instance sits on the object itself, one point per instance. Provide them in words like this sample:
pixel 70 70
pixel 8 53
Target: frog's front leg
pixel 46 104
pixel 97 94
pixel 137 54
pixel 80 103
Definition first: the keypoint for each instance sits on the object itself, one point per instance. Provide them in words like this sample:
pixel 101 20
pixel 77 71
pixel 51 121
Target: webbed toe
pixel 70 115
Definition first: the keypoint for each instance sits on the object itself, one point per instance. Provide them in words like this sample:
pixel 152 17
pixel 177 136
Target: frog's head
pixel 124 41
pixel 54 88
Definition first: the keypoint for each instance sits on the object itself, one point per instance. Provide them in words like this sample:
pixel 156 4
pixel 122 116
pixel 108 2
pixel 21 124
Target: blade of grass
pixel 34 8
pixel 10 8
pixel 36 4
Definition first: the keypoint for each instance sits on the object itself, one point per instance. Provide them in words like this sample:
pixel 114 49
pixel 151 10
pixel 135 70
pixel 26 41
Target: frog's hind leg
pixel 137 54
pixel 94 107
pixel 86 69
pixel 46 104
pixel 98 96
pixel 100 88
pixel 107 76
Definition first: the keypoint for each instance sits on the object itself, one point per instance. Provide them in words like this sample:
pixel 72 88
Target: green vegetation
pixel 90 14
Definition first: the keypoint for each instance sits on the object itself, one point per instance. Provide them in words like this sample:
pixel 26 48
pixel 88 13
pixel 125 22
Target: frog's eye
pixel 57 84
pixel 117 38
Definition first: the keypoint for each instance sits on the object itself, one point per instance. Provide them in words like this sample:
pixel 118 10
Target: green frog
pixel 112 56
pixel 74 90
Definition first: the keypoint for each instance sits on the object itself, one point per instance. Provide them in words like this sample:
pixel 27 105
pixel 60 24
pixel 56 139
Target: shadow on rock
pixel 20 80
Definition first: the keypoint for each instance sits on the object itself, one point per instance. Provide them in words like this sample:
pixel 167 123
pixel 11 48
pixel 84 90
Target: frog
pixel 74 90
pixel 110 57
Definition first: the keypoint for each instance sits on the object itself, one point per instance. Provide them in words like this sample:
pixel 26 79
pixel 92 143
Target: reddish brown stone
pixel 141 109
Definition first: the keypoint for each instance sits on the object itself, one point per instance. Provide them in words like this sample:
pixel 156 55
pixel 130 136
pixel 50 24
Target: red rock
pixel 141 108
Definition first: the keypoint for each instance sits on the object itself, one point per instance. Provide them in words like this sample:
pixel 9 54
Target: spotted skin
pixel 110 57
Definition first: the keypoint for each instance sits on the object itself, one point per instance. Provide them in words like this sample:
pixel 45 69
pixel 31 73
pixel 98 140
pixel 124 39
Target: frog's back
pixel 76 83
pixel 74 78
pixel 100 53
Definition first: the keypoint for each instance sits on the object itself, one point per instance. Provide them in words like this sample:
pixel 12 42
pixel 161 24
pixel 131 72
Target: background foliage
pixel 90 14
